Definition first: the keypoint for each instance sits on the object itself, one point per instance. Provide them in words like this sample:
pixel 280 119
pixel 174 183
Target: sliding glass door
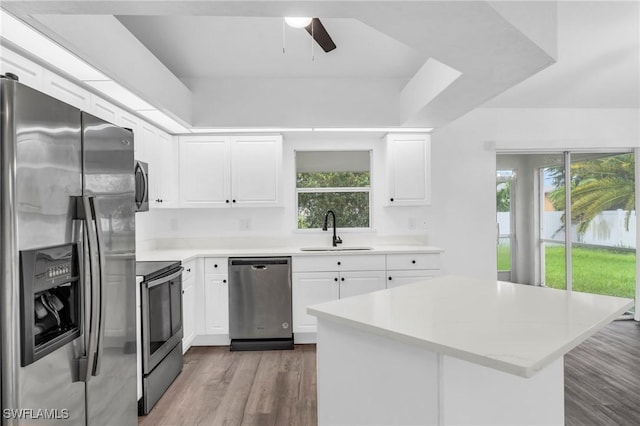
pixel 587 228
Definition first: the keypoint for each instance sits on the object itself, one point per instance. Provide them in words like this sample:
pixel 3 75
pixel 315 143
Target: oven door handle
pixel 161 280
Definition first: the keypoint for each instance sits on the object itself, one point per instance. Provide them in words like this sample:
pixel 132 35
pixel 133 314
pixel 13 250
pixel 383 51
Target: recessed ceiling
pixel 213 46
pixel 218 63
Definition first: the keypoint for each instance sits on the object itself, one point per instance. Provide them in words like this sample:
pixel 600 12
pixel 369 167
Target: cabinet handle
pixel 390 278
pixel 335 279
pixel 391 200
pixel 342 279
pixel 339 263
pixel 226 201
pixel 413 261
pixel 234 201
pixel 224 281
pixel 215 265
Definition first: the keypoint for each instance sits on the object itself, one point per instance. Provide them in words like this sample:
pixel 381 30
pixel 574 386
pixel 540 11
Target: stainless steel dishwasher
pixel 260 303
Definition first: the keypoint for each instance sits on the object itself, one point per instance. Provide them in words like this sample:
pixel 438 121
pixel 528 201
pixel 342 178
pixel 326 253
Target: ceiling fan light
pixel 297 22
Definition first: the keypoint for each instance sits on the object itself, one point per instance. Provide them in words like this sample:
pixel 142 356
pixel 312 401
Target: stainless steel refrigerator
pixel 67 264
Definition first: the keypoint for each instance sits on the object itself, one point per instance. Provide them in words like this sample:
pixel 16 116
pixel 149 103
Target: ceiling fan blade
pixel 320 35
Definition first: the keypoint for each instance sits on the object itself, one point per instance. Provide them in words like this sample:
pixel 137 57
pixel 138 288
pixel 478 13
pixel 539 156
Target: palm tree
pixel 598 185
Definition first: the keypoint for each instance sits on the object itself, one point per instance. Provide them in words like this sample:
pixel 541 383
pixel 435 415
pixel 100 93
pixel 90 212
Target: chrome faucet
pixel 336 240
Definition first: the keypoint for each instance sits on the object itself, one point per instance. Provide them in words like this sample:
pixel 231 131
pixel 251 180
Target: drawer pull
pixel 342 279
pixel 390 278
pixel 224 281
pixel 413 261
pixel 335 279
pixel 339 263
pixel 188 269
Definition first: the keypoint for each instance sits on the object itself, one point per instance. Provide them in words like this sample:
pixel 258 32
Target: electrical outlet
pixel 245 224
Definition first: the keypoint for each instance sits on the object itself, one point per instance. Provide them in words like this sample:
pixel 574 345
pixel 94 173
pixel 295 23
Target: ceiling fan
pixel 315 29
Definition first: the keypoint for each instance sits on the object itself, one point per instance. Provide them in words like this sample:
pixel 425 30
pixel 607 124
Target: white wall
pixel 464 162
pixel 277 225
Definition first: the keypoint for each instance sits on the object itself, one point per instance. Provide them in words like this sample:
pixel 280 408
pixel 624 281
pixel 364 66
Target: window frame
pixel 368 189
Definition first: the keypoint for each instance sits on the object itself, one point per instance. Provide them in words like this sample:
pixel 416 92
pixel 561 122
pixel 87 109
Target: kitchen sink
pixel 343 248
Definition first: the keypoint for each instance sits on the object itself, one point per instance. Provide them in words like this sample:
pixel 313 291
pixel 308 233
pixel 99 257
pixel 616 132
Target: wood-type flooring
pixel 218 387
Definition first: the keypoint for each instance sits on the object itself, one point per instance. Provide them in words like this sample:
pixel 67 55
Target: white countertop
pixel 188 254
pixel 515 328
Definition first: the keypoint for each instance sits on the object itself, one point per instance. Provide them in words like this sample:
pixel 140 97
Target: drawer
pixel 189 270
pixel 216 265
pixel 319 263
pixel 405 261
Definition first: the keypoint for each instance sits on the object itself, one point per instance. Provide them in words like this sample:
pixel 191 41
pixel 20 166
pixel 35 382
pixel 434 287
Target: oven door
pixel 161 318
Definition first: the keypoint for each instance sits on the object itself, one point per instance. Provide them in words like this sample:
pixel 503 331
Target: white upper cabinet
pixel 409 169
pixel 163 175
pixel 130 121
pixel 230 171
pixel 204 171
pixel 63 89
pixel 255 170
pixel 28 72
pixel 104 110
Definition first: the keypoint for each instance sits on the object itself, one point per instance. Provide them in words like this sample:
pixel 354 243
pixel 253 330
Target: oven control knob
pixel 285 325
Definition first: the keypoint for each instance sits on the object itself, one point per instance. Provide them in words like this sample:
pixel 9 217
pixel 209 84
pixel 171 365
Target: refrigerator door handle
pixel 85 213
pixel 102 305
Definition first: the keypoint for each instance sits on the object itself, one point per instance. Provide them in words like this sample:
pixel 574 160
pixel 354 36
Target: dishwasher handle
pixel 259 267
pixel 259 263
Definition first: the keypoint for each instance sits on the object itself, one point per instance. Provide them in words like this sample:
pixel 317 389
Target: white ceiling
pixel 598 61
pixel 220 63
pixel 214 46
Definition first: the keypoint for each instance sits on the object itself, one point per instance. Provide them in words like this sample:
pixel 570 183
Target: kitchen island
pixel 452 350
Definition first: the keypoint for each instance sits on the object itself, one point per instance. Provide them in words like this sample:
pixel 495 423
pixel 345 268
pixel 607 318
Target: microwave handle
pixel 145 184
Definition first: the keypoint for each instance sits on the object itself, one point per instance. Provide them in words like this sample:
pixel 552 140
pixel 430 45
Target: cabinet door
pixel 165 176
pixel 27 71
pixel 103 109
pixel 64 90
pixel 255 170
pixel 310 288
pixel 361 282
pixel 398 278
pixel 408 158
pixel 216 304
pixel 129 121
pixel 188 313
pixel 204 172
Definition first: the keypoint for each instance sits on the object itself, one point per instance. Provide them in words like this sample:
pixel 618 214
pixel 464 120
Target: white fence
pixel 606 229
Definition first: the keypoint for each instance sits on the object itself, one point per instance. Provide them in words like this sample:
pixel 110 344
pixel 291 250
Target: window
pixel 333 180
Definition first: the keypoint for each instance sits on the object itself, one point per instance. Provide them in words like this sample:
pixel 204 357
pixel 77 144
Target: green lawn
pixel 600 271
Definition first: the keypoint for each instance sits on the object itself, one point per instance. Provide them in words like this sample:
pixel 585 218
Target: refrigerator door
pixel 109 179
pixel 43 136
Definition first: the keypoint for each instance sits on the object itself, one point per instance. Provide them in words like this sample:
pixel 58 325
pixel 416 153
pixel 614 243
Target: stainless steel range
pixel 161 321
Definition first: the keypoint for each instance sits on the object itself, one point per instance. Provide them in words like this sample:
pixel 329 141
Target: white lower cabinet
pixel 188 305
pixel 406 268
pixel 311 288
pixel 398 278
pixel 216 296
pixel 318 279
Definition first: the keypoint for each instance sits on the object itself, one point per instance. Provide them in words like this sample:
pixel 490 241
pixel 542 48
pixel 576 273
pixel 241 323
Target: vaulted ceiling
pixel 398 63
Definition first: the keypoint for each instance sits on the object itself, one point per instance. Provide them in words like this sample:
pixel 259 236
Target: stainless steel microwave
pixel 141 171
